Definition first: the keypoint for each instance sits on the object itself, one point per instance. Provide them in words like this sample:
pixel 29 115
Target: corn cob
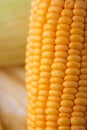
pixel 56 61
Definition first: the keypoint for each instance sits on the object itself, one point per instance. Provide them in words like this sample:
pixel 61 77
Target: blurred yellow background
pixel 14 16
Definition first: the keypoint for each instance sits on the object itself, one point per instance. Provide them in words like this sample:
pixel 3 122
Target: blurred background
pixel 14 15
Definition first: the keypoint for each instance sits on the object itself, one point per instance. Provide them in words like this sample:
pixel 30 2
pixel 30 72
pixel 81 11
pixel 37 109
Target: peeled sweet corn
pixel 56 65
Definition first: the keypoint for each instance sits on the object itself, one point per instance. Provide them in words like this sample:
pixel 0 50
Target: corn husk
pixel 13 98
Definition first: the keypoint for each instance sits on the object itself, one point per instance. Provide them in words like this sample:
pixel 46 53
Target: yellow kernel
pixel 42 98
pixel 76 45
pixel 73 52
pixel 48 54
pixel 62 33
pixel 56 86
pixel 64 121
pixel 51 124
pixel 30 127
pixel 60 60
pixel 46 61
pixel 79 108
pixel 76 38
pixel 41 12
pixel 78 121
pixel 84 58
pixel 78 19
pixel 86 33
pixel 48 26
pixel 50 128
pixel 35 70
pixel 63 27
pixel 64 115
pixel 72 71
pixel 61 54
pixel 79 127
pixel 37 51
pixel 52 104
pixel 81 101
pixel 70 84
pixel 31 123
pixel 52 15
pixel 71 78
pixel 31 117
pixel 55 9
pixel 49 34
pixel 83 76
pixel 34 77
pixel 36 38
pixel 57 73
pixel 36 57
pixel 51 117
pixel 84 64
pixel 61 48
pixel 49 41
pixel 69 4
pixel 43 92
pixel 40 117
pixel 40 123
pixel 48 48
pixel 59 3
pixel 39 111
pixel 80 5
pixel 67 12
pixel 45 74
pixel 80 12
pixel 55 93
pixel 62 40
pixel 65 20
pixel 64 128
pixel 36 31
pixel 38 128
pixel 78 114
pixel 82 89
pixel 84 52
pixel 67 103
pixel 34 84
pixel 43 4
pixel 53 98
pixel 83 83
pixel 45 67
pixel 73 64
pixel 79 25
pixel 81 95
pixel 70 90
pixel 76 31
pixel 51 111
pixel 65 109
pixel 67 96
pixel 52 22
pixel 58 66
pixel 35 64
pixel 84 71
pixel 41 19
pixel 44 80
pixel 57 80
pixel 75 58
